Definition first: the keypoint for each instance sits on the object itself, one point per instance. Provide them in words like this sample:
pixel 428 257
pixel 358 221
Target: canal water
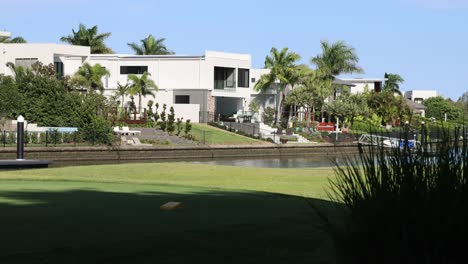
pixel 312 161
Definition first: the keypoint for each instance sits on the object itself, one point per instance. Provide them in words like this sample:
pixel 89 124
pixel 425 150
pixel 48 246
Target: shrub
pixel 188 127
pixel 404 205
pixel 163 123
pixel 156 115
pixel 170 121
pixel 179 125
pixel 98 131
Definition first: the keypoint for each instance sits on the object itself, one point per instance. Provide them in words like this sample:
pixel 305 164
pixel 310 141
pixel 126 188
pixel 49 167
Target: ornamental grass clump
pixel 404 205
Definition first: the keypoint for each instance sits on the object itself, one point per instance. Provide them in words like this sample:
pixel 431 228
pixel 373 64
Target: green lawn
pixel 215 136
pixel 110 214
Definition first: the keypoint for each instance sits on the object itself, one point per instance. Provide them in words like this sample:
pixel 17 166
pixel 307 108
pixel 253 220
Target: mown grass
pixel 215 136
pixel 110 214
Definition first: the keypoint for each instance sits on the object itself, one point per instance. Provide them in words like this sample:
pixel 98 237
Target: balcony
pixel 224 78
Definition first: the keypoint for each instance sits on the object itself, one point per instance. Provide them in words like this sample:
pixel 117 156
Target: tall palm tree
pixel 12 40
pixel 282 65
pixel 393 83
pixel 90 77
pixel 337 58
pixel 122 90
pixel 150 46
pixel 88 37
pixel 141 85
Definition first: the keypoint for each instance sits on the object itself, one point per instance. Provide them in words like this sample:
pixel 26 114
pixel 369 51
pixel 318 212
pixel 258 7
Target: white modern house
pixel 216 82
pixel 360 85
pixel 418 96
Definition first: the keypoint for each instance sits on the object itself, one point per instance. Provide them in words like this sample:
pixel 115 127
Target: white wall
pixel 423 94
pixel 45 53
pixel 187 111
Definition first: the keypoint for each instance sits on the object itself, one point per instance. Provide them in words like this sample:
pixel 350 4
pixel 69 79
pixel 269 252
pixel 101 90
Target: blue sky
pixel 425 41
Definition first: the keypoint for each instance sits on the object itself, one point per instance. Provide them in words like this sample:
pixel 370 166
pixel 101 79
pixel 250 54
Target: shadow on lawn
pixel 88 226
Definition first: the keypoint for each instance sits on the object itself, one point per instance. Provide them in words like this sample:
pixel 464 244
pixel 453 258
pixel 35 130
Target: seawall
pixel 177 153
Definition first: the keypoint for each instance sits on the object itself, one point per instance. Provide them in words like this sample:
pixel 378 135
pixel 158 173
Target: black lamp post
pixel 20 138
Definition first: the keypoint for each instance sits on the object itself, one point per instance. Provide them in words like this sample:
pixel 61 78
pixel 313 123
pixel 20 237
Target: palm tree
pixel 282 65
pixel 12 40
pixel 393 83
pixel 150 46
pixel 88 37
pixel 122 90
pixel 142 86
pixel 337 58
pixel 90 77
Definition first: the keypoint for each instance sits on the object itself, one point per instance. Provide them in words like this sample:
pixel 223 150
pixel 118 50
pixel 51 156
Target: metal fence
pixel 48 138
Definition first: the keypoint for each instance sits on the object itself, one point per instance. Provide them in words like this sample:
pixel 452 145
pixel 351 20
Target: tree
pixel 437 107
pixel 392 109
pixel 10 97
pixel 150 46
pixel 336 58
pixel 312 93
pixel 141 85
pixel 393 83
pixel 90 77
pixel 12 40
pixel 122 90
pixel 282 65
pixel 88 37
pixel 462 104
pixel 348 106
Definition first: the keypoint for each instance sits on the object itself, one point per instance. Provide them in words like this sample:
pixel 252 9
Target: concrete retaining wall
pixel 158 153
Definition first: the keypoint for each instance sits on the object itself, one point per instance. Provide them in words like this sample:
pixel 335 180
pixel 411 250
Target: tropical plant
pixel 392 83
pixel 150 46
pixel 403 205
pixel 12 40
pixel 90 77
pixel 336 58
pixel 88 37
pixel 312 93
pixel 122 90
pixel 141 86
pixel 283 68
pixel 390 107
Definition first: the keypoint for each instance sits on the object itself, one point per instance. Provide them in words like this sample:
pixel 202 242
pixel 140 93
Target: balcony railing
pixel 222 84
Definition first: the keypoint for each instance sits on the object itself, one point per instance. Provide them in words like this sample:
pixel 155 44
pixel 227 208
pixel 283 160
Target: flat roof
pixel 363 80
pixel 129 56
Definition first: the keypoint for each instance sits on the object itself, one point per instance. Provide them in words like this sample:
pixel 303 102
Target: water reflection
pixel 312 161
pixel 282 162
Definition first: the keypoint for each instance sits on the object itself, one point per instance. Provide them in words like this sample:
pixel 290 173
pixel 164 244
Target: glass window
pixel 59 69
pixel 25 62
pixel 182 99
pixel 243 78
pixel 133 69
